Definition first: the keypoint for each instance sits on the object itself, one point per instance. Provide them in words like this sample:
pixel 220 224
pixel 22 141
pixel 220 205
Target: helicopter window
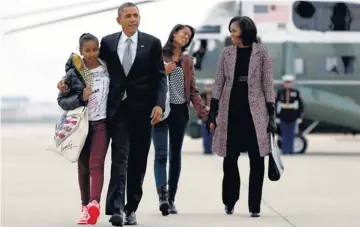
pixel 340 65
pixel 299 66
pixel 331 64
pixel 324 59
pixel 326 16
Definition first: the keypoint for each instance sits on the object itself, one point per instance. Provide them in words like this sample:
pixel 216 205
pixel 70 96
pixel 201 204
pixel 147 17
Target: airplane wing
pixel 50 9
pixel 57 20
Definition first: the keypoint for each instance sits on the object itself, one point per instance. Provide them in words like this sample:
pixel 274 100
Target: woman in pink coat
pixel 242 111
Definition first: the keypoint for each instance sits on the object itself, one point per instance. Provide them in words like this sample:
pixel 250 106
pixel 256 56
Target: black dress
pixel 241 129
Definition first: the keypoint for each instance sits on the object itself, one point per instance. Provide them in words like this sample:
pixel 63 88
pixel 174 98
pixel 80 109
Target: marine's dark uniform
pixel 289 108
pixel 207 137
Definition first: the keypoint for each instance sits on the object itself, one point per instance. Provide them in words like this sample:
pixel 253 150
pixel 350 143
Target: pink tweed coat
pixel 261 90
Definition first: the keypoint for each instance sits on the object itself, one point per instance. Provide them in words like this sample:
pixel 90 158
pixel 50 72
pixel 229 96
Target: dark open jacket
pixel 191 91
pixel 73 98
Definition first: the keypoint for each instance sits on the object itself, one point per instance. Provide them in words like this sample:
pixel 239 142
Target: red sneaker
pixel 94 212
pixel 84 216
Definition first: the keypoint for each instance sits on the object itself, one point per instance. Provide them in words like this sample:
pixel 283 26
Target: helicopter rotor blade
pixel 41 24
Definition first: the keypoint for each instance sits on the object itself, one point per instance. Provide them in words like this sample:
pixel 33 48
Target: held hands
pixel 156 115
pixel 210 126
pixel 169 67
pixel 86 93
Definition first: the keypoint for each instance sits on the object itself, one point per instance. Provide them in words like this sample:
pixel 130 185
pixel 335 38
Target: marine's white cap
pixel 288 77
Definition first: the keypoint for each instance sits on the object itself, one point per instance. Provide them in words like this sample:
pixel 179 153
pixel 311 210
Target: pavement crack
pixel 273 209
pixel 278 213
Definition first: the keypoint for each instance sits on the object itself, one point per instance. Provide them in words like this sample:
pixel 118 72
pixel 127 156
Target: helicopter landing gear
pixel 300 141
pixel 300 144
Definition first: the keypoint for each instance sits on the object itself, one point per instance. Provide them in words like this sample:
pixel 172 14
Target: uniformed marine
pixel 289 108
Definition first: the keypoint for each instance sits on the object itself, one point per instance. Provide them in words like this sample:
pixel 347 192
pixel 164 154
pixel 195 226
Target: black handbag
pixel 276 166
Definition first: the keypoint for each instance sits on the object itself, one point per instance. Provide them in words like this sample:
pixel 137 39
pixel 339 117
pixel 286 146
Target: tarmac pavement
pixel 318 189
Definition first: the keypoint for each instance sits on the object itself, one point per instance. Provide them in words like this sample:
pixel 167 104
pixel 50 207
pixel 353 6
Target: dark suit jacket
pixel 145 84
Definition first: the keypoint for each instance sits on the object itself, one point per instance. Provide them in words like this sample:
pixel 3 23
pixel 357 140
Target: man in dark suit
pixel 137 95
pixel 137 92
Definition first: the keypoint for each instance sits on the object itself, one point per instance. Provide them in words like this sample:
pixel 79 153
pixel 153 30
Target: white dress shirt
pixel 122 46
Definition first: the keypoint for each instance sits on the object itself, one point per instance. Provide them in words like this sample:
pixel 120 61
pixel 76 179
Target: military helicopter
pixel 316 41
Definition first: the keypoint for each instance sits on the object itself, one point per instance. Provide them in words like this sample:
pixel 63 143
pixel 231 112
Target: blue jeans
pixel 207 139
pixel 288 137
pixel 174 127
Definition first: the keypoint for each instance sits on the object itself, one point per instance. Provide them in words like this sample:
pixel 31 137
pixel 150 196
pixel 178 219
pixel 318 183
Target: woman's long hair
pixel 168 49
